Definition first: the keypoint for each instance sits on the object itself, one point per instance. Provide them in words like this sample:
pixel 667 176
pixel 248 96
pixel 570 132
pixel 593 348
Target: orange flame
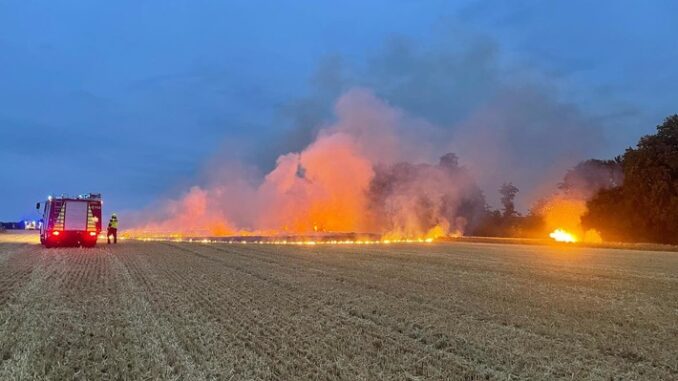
pixel 561 235
pixel 563 215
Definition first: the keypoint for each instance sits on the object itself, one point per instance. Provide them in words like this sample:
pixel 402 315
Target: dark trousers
pixel 112 232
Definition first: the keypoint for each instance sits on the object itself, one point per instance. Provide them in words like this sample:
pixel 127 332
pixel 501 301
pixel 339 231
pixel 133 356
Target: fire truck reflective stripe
pixel 61 217
pixel 91 222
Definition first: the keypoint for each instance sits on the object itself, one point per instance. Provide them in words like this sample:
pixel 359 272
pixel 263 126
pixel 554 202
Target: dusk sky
pixel 137 99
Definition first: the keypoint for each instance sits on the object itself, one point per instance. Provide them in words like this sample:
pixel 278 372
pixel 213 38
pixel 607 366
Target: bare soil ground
pixel 161 310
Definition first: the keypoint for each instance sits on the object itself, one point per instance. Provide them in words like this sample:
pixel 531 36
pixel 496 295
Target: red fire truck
pixel 71 221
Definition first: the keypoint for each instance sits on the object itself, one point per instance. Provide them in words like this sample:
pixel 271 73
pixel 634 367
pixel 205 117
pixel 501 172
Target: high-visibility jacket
pixel 113 223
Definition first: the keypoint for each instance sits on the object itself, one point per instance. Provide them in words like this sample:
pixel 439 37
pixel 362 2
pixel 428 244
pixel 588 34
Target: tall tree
pixel 508 193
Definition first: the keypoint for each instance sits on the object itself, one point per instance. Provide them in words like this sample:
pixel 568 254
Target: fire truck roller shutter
pixel 76 215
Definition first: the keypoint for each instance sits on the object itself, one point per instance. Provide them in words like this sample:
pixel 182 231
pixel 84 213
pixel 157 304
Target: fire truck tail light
pixel 92 234
pixel 56 232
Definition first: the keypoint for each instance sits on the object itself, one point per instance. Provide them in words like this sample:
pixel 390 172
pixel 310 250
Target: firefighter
pixel 112 229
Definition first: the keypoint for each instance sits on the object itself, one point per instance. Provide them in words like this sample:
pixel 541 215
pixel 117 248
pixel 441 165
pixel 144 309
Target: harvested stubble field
pixel 149 310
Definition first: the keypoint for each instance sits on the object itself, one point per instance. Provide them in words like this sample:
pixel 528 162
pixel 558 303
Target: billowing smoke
pixel 508 121
pixel 357 166
pixel 408 199
pixel 564 209
pixel 590 176
pixel 354 177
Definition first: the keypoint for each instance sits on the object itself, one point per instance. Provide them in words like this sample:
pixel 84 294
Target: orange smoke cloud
pixel 321 188
pixel 191 215
pixel 325 187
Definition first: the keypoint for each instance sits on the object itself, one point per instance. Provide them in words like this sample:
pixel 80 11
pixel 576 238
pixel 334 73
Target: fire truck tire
pixel 89 245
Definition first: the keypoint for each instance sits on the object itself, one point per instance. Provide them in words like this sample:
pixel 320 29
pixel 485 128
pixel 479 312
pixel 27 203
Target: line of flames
pixel 558 235
pixel 286 242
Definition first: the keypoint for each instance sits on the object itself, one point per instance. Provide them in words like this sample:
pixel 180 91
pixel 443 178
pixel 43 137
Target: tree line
pixel 645 206
pixel 631 198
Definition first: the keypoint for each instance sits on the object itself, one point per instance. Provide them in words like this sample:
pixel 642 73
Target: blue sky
pixel 132 98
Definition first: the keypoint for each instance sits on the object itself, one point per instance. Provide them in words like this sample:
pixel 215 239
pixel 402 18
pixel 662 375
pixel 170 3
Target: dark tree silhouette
pixel 508 193
pixel 645 207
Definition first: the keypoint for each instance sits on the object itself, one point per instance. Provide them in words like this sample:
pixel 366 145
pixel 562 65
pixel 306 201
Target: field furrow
pixel 168 310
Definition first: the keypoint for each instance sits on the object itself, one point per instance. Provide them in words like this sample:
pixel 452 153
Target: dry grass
pixel 439 311
pixel 548 241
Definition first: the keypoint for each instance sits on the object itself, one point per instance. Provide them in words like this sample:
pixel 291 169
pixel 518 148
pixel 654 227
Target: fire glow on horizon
pixel 292 242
